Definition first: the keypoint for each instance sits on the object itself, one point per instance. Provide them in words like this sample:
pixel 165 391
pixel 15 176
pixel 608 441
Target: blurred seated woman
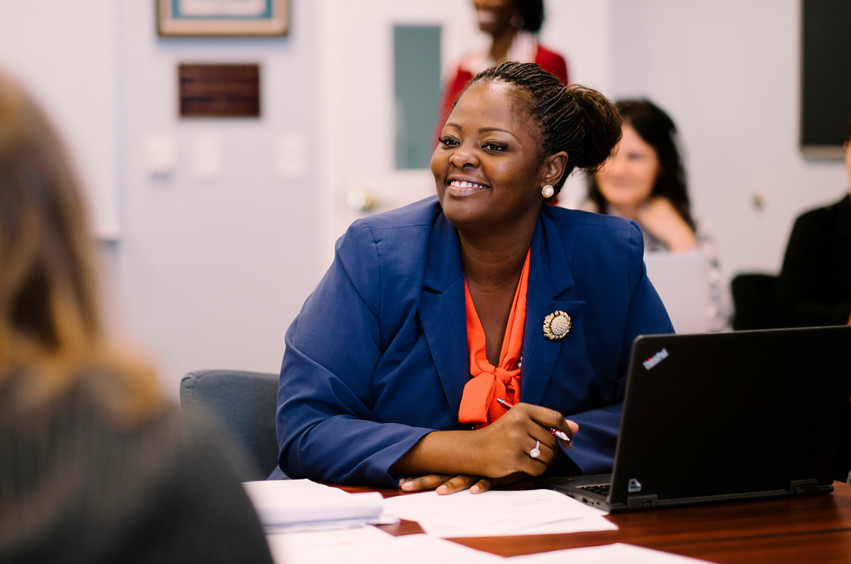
pixel 478 336
pixel 95 464
pixel 645 180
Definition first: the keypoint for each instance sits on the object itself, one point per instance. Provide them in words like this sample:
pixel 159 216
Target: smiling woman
pixel 482 293
pixel 486 163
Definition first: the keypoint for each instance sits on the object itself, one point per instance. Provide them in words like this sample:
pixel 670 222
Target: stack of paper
pixel 497 513
pixel 286 503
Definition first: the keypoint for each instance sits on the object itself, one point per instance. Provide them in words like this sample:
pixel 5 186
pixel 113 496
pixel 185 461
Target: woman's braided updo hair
pixel 575 119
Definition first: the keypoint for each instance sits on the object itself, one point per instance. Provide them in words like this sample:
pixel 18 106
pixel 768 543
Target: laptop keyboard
pixel 600 489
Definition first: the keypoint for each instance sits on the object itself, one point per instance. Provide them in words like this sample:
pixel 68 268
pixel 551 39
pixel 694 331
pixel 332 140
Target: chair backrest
pixel 244 403
pixel 757 307
pixel 754 301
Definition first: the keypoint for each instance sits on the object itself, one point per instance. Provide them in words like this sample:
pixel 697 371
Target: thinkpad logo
pixel 655 359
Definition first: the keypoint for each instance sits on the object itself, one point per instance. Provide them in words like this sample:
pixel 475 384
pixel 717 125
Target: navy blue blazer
pixel 377 357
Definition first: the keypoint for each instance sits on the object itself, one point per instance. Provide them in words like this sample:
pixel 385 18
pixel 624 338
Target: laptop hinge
pixel 804 487
pixel 642 502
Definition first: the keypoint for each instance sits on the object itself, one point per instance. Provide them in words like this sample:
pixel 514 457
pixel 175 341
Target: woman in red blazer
pixel 513 26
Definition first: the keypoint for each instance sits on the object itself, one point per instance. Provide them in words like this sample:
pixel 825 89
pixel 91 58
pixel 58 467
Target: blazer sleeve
pixel 593 451
pixel 552 62
pixel 325 390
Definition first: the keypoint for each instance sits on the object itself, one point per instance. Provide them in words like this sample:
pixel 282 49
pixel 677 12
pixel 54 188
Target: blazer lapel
pixel 443 317
pixel 442 312
pixel 549 282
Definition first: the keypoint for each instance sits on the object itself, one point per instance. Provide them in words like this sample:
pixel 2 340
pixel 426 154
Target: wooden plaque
pixel 226 90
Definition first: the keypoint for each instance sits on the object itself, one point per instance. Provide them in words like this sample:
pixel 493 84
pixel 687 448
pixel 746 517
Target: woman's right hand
pixel 453 460
pixel 663 221
pixel 506 446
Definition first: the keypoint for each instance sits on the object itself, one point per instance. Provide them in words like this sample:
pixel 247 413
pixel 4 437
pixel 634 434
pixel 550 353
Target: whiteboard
pixel 65 54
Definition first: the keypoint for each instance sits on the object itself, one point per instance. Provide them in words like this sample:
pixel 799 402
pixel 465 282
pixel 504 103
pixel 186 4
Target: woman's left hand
pixel 445 484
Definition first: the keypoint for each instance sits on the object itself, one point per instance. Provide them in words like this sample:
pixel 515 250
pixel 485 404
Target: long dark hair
pixel 532 12
pixel 658 130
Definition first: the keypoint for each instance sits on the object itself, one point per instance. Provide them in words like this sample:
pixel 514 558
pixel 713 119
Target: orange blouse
pixel 488 382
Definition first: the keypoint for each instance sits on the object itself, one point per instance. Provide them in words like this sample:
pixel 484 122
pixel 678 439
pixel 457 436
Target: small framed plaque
pixel 239 18
pixel 227 90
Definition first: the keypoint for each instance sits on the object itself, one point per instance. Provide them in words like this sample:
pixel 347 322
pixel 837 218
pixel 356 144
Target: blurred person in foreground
pixel 95 464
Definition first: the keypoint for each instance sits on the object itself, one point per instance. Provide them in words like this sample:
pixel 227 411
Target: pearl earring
pixel 547 191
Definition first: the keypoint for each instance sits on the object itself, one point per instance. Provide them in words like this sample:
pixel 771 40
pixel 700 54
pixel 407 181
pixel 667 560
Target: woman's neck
pixel 501 44
pixel 492 274
pixel 494 261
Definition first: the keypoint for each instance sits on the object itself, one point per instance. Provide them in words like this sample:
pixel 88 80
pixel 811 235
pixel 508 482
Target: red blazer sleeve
pixel 552 62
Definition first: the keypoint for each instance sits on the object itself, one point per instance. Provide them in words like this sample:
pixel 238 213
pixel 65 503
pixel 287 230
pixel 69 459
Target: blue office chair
pixel 245 404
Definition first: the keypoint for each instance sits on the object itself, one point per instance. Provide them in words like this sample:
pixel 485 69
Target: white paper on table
pixel 368 545
pixel 298 502
pixel 616 553
pixel 498 513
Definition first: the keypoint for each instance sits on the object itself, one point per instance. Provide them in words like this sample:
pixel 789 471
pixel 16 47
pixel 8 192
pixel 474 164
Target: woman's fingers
pixel 554 422
pixel 564 431
pixel 456 484
pixel 444 483
pixel 422 483
pixel 572 426
pixel 483 485
pixel 539 433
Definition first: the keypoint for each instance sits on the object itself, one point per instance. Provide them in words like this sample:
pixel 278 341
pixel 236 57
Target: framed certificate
pixel 207 18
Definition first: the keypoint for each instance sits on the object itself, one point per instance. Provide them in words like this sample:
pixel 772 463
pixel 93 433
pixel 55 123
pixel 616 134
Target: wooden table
pixel 815 529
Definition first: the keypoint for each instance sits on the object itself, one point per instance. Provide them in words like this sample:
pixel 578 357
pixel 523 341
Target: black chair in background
pixel 755 301
pixel 244 403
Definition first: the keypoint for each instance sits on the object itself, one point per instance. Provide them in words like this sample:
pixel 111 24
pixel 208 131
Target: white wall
pixel 211 272
pixel 64 54
pixel 728 73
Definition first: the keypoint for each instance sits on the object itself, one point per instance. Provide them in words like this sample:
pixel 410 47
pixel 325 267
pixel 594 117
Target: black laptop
pixel 725 416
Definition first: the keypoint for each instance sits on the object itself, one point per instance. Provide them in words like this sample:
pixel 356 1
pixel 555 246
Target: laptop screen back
pixel 727 414
pixel 682 281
